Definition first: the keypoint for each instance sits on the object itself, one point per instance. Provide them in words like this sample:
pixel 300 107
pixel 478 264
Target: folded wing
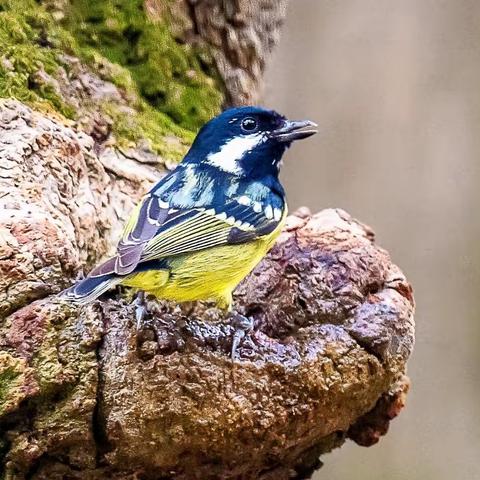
pixel 159 229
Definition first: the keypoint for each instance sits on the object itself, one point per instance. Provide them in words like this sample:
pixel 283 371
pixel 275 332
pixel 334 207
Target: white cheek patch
pixel 230 153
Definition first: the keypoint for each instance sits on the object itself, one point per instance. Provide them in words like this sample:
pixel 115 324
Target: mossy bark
pixel 149 70
pixel 103 101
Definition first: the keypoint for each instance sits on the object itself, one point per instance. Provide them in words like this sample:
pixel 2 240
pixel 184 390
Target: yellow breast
pixel 210 274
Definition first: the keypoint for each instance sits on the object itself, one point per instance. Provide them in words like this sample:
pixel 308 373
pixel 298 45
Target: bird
pixel 204 226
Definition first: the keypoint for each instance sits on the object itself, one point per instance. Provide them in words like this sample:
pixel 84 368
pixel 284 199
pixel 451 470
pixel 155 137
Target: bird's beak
pixel 295 130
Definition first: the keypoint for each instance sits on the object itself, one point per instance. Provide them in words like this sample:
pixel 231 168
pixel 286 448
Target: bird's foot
pixel 140 310
pixel 242 326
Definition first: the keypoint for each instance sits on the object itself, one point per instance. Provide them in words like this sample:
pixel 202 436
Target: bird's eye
pixel 249 124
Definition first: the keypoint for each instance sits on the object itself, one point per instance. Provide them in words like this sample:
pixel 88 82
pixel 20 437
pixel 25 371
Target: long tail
pixel 90 288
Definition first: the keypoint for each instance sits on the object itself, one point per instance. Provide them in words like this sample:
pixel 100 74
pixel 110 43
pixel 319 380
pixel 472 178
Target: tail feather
pixel 89 289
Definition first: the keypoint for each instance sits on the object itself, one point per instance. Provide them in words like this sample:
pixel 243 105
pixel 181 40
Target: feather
pixel 89 289
pixel 162 225
pixel 138 232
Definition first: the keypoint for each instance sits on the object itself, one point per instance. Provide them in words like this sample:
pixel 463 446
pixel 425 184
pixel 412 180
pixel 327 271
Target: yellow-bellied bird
pixel 203 227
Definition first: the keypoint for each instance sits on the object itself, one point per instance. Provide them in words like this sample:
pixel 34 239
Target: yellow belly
pixel 210 274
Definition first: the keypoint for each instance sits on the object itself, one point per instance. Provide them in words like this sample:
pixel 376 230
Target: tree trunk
pixel 82 394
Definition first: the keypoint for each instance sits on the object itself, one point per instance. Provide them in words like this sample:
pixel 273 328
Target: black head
pixel 247 141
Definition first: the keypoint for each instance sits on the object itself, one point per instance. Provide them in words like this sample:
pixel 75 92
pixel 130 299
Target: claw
pixel 242 325
pixel 140 309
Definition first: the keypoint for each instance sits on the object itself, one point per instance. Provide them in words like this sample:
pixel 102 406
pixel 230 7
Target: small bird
pixel 203 227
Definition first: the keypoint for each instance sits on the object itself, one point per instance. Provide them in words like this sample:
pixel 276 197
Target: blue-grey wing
pixel 172 220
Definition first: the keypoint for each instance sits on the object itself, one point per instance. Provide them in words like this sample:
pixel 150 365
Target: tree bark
pixel 83 395
pixel 241 34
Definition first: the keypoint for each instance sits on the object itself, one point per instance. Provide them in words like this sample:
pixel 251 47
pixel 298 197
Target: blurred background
pixel 395 89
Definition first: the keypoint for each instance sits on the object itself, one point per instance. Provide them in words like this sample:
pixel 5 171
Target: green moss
pixel 7 378
pixel 166 138
pixel 169 75
pixel 170 86
pixel 12 379
pixel 26 51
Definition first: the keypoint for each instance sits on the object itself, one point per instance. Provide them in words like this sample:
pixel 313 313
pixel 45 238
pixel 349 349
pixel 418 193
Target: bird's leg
pixel 140 308
pixel 242 326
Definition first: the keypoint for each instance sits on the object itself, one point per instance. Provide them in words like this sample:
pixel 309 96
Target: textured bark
pixel 61 204
pixel 241 35
pixel 84 396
